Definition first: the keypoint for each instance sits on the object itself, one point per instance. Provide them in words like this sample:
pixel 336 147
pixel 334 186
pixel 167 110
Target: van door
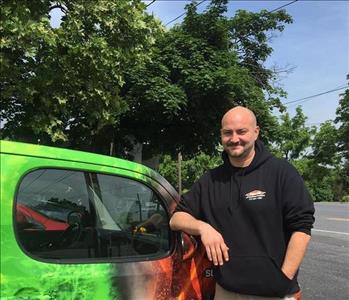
pixel 86 234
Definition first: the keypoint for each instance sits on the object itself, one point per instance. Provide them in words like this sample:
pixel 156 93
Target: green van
pixel 77 225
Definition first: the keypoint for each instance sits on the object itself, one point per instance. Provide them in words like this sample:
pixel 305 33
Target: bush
pixel 345 198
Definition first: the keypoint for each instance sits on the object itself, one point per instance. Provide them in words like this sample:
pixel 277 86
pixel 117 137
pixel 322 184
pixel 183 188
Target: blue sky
pixel 316 44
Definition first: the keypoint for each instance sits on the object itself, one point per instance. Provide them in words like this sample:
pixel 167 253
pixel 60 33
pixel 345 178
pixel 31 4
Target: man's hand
pixel 216 249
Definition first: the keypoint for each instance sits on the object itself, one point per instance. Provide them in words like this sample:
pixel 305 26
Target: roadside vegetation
pixel 111 79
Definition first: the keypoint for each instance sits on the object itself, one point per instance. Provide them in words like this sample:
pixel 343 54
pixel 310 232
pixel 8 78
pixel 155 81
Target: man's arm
pixel 212 240
pixel 295 252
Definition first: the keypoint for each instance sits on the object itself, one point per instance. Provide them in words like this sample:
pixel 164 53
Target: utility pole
pixel 111 148
pixel 179 174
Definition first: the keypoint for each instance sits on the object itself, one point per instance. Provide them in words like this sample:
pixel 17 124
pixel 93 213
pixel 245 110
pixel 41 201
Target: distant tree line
pixel 112 78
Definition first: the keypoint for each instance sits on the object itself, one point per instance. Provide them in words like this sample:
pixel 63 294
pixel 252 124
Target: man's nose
pixel 234 138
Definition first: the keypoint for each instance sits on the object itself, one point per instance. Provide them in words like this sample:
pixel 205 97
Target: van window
pixel 65 214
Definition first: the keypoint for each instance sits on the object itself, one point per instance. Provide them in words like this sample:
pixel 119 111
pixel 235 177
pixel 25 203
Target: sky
pixel 315 46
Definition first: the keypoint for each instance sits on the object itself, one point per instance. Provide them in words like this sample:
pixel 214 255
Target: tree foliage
pixel 320 179
pixel 325 145
pixel 110 73
pixel 63 84
pixel 191 169
pixel 343 136
pixel 342 118
pixel 195 75
pixel 293 136
pixel 250 37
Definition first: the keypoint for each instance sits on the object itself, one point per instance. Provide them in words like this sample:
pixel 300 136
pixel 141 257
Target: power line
pixel 287 4
pixel 316 95
pixel 196 5
pixel 181 15
pixel 150 3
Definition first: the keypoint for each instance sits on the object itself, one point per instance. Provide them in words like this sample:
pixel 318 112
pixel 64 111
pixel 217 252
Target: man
pixel 253 215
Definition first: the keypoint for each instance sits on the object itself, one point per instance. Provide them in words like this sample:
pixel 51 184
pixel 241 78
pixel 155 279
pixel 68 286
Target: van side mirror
pixel 188 245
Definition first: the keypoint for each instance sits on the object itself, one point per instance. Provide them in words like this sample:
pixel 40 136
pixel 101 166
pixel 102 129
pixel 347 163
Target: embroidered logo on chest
pixel 255 195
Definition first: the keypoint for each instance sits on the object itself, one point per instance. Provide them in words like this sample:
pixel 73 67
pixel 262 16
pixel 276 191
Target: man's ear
pixel 256 130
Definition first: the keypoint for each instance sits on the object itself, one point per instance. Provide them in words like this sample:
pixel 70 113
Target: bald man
pixel 253 215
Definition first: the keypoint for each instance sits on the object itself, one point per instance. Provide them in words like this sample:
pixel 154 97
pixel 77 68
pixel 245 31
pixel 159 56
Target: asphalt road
pixel 325 270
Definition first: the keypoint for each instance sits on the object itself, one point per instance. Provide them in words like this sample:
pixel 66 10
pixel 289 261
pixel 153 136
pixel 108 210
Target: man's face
pixel 238 135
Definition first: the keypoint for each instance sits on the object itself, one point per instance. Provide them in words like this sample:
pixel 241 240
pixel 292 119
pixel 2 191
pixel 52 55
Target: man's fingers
pixel 219 255
pixel 214 256
pixel 208 252
pixel 225 252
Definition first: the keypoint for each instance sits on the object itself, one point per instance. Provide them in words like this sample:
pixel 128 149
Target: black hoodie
pixel 256 209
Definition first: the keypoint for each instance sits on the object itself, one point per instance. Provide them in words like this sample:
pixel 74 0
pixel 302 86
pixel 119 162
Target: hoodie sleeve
pixel 298 207
pixel 190 201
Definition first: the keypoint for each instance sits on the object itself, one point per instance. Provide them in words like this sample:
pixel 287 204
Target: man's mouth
pixel 234 146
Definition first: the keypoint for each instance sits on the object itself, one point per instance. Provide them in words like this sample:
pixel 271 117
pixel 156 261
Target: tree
pixel 250 34
pixel 320 166
pixel 110 74
pixel 342 119
pixel 324 168
pixel 191 169
pixel 63 84
pixel 325 145
pixel 293 136
pixel 195 75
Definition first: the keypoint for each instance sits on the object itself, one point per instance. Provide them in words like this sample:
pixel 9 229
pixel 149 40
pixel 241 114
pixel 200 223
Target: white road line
pixel 338 219
pixel 328 231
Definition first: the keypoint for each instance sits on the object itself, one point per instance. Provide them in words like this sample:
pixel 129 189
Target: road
pixel 325 270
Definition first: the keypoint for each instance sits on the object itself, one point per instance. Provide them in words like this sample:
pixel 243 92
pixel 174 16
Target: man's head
pixel 238 135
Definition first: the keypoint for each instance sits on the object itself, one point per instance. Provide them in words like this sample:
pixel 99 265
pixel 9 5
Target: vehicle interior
pixel 70 215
